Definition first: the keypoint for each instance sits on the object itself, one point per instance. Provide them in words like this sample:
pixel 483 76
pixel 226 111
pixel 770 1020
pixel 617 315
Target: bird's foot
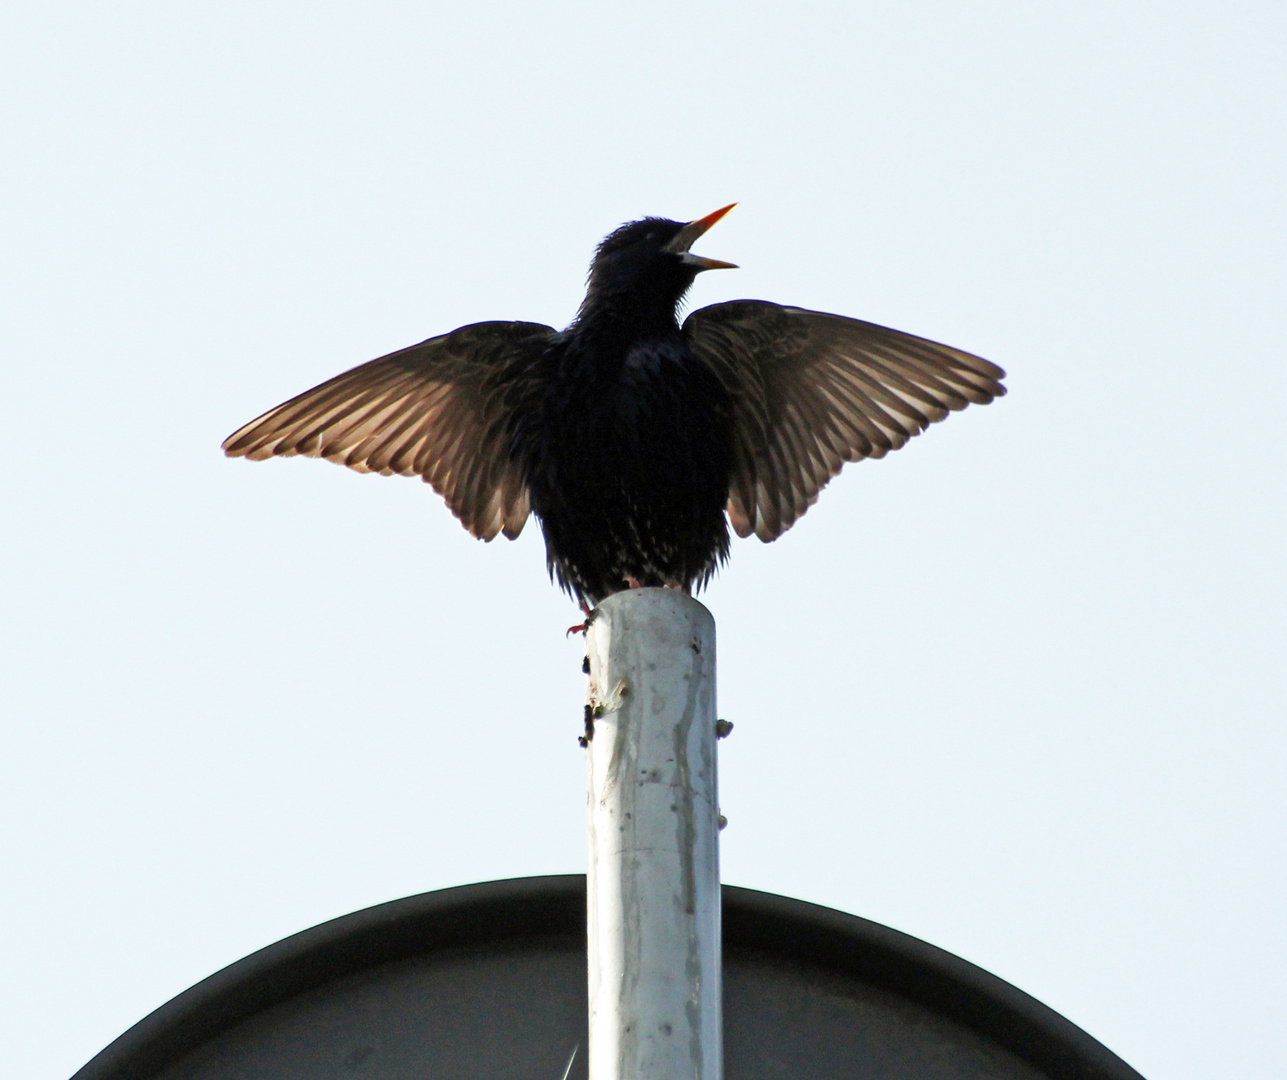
pixel 633 582
pixel 671 583
pixel 581 628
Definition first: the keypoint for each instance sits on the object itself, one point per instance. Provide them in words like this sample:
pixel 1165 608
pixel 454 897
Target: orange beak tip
pixel 710 219
pixel 690 233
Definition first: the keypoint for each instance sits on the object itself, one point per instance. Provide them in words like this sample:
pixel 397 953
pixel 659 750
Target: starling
pixel 634 440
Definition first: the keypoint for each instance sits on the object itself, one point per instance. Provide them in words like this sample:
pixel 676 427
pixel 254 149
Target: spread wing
pixel 812 391
pixel 443 410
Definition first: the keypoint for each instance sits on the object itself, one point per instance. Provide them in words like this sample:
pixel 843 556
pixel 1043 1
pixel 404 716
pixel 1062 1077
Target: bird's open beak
pixel 687 236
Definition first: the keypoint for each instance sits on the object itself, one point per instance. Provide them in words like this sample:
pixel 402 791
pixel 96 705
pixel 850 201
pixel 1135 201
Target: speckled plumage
pixel 627 463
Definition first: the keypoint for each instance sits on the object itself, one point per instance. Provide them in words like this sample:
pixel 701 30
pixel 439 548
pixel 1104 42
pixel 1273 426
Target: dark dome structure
pixel 488 982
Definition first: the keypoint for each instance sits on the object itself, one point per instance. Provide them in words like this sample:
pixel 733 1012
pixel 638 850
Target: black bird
pixel 628 436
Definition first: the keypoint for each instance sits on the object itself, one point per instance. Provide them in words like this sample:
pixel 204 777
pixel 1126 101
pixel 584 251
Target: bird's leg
pixel 581 628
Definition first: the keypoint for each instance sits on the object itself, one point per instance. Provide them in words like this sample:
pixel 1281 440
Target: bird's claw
pixel 581 628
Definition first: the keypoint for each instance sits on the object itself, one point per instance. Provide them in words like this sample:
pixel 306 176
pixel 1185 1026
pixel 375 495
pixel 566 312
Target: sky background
pixel 1018 689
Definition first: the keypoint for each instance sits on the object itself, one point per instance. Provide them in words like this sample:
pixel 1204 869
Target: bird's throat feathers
pixel 618 317
pixel 635 285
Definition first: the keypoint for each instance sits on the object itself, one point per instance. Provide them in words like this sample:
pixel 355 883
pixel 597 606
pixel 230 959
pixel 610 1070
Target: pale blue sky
pixel 1018 689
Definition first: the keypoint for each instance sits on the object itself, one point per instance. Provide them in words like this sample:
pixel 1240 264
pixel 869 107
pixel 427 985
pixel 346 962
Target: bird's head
pixel 647 264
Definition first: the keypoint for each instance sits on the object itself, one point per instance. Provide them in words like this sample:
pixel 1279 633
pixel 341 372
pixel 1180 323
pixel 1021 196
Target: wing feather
pixel 444 410
pixel 812 391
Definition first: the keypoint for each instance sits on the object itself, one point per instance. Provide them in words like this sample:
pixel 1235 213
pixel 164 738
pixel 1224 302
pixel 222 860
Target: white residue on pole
pixel 653 824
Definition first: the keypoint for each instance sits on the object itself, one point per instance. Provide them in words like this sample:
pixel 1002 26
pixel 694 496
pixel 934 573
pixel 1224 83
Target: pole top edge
pixel 676 599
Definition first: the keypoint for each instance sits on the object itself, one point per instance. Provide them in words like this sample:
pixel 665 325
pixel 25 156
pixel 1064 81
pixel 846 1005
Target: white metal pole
pixel 653 818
